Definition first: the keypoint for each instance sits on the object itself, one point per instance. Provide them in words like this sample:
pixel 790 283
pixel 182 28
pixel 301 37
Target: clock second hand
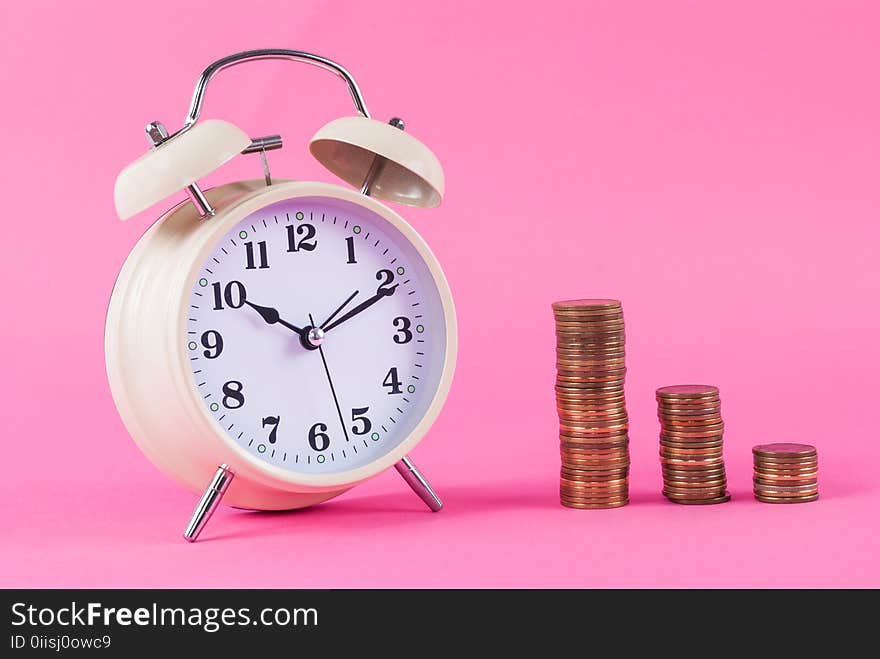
pixel 332 388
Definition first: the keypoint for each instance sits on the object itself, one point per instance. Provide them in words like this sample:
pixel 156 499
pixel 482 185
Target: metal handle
pixel 198 99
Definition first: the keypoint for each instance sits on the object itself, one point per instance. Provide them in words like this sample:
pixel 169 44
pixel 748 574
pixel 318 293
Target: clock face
pixel 316 335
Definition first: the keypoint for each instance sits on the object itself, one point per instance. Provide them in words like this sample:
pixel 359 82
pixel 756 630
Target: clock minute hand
pixel 338 309
pixel 382 292
pixel 271 317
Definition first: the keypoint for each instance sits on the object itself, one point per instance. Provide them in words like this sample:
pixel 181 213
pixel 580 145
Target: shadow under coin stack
pixel 786 473
pixel 691 451
pixel 590 400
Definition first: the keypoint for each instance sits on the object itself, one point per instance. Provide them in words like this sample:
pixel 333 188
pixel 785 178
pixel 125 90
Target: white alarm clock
pixel 276 343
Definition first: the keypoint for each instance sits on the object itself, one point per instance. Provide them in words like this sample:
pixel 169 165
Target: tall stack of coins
pixel 786 473
pixel 593 423
pixel 691 436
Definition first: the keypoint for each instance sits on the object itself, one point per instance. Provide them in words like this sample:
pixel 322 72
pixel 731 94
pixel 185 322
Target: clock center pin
pixel 315 337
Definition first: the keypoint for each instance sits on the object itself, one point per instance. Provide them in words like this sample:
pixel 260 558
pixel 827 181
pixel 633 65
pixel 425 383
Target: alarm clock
pixel 274 343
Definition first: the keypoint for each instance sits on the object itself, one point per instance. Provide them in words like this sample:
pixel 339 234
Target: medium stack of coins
pixel 691 435
pixel 786 473
pixel 593 423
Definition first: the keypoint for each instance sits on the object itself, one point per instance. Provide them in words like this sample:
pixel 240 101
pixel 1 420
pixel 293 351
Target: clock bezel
pixel 256 467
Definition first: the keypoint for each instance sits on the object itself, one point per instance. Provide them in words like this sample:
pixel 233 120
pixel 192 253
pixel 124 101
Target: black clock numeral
pixel 404 334
pixel 233 398
pixel 301 237
pixel 249 253
pixel 272 421
pixel 385 278
pixel 350 243
pixel 319 440
pixel 213 343
pixel 362 425
pixel 392 382
pixel 233 294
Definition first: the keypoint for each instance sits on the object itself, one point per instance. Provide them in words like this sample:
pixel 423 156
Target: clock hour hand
pixel 271 317
pixel 369 302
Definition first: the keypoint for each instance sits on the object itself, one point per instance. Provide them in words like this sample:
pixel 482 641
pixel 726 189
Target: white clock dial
pixel 303 398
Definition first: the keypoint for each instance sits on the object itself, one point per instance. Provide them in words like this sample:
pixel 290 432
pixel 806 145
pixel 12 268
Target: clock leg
pixel 418 483
pixel 209 502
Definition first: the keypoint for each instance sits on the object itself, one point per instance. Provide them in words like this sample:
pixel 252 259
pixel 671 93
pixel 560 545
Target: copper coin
pixel 786 476
pixel 693 493
pixel 786 469
pixel 773 463
pixel 617 444
pixel 594 440
pixel 607 475
pixel 591 506
pixel 784 450
pixel 687 391
pixel 584 413
pixel 587 303
pixel 718 485
pixel 697 502
pixel 666 449
pixel 691 444
pixel 616 497
pixel 805 499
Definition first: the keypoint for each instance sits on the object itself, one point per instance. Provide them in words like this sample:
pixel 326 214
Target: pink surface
pixel 714 165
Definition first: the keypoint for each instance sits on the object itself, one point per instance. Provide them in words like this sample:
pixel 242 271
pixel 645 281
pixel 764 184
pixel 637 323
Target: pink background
pixel 712 164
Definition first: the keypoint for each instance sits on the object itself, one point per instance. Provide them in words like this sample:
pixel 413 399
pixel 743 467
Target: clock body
pixel 207 347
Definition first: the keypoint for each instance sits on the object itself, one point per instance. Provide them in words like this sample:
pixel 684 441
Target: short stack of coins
pixel 593 424
pixel 786 473
pixel 691 444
